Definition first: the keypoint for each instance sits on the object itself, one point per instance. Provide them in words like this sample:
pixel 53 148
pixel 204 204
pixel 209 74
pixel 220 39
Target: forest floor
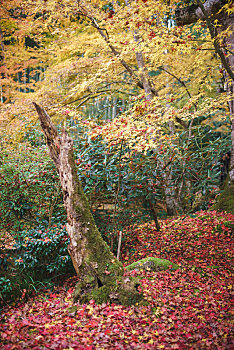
pixel 189 308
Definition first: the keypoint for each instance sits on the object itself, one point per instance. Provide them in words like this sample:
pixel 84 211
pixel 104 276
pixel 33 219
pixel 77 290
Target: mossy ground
pixel 225 202
pixel 122 290
pixel 153 264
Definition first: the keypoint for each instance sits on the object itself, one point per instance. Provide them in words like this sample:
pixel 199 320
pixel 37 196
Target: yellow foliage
pixel 86 48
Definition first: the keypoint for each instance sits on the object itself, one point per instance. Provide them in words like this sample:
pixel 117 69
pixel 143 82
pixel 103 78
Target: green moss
pixel 72 309
pixel 119 291
pixel 89 279
pixel 225 201
pixel 128 293
pixel 100 295
pixel 153 264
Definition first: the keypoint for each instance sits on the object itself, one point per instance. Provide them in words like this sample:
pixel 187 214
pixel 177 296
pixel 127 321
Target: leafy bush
pixel 30 189
pixel 19 286
pixel 110 224
pixel 5 287
pixel 43 253
pixel 38 259
pixel 189 166
pixel 110 171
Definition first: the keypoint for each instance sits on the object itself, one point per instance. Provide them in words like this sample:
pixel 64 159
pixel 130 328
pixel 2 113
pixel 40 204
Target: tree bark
pixel 171 203
pixel 143 73
pixel 100 273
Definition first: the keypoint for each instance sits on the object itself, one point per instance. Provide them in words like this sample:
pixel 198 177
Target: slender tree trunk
pixel 170 198
pixel 5 93
pixel 143 72
pixel 155 215
pixel 226 200
pixel 100 273
pixel 229 45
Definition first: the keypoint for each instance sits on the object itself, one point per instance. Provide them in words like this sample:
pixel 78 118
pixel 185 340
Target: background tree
pixel 219 18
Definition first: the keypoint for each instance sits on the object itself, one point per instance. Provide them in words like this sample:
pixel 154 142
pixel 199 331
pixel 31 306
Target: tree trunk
pixel 229 44
pixel 155 215
pixel 100 273
pixel 170 201
pixel 212 9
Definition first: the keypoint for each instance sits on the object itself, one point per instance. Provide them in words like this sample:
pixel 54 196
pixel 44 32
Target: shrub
pixel 5 287
pixel 30 189
pixel 43 253
pixel 39 258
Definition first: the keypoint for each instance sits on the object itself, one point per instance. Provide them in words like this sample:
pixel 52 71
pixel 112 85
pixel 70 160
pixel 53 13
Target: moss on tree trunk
pixel 225 201
pixel 100 273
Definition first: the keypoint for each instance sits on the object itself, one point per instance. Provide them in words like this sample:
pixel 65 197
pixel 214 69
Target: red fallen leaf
pixel 188 335
pixel 52 295
pixel 71 321
pixel 23 294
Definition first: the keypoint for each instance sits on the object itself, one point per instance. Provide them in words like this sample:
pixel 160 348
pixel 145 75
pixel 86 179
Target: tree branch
pixel 193 13
pixel 104 34
pixel 218 50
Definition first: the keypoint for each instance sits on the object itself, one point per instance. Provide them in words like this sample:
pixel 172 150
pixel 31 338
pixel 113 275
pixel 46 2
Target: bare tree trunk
pixel 143 72
pixel 141 65
pixel 170 196
pixel 4 74
pixel 100 273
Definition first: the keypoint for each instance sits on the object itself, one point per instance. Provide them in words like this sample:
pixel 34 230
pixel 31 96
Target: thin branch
pixel 90 96
pixel 2 43
pixel 117 194
pixel 178 79
pixel 103 32
pixel 216 44
pixel 182 83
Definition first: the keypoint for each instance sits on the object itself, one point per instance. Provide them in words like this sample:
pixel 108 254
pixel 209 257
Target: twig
pixel 116 196
pixel 119 244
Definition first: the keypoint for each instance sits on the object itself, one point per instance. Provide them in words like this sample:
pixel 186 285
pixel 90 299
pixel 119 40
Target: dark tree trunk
pixel 100 273
pixel 155 216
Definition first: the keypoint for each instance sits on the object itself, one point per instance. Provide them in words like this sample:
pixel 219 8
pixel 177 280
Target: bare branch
pixel 50 132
